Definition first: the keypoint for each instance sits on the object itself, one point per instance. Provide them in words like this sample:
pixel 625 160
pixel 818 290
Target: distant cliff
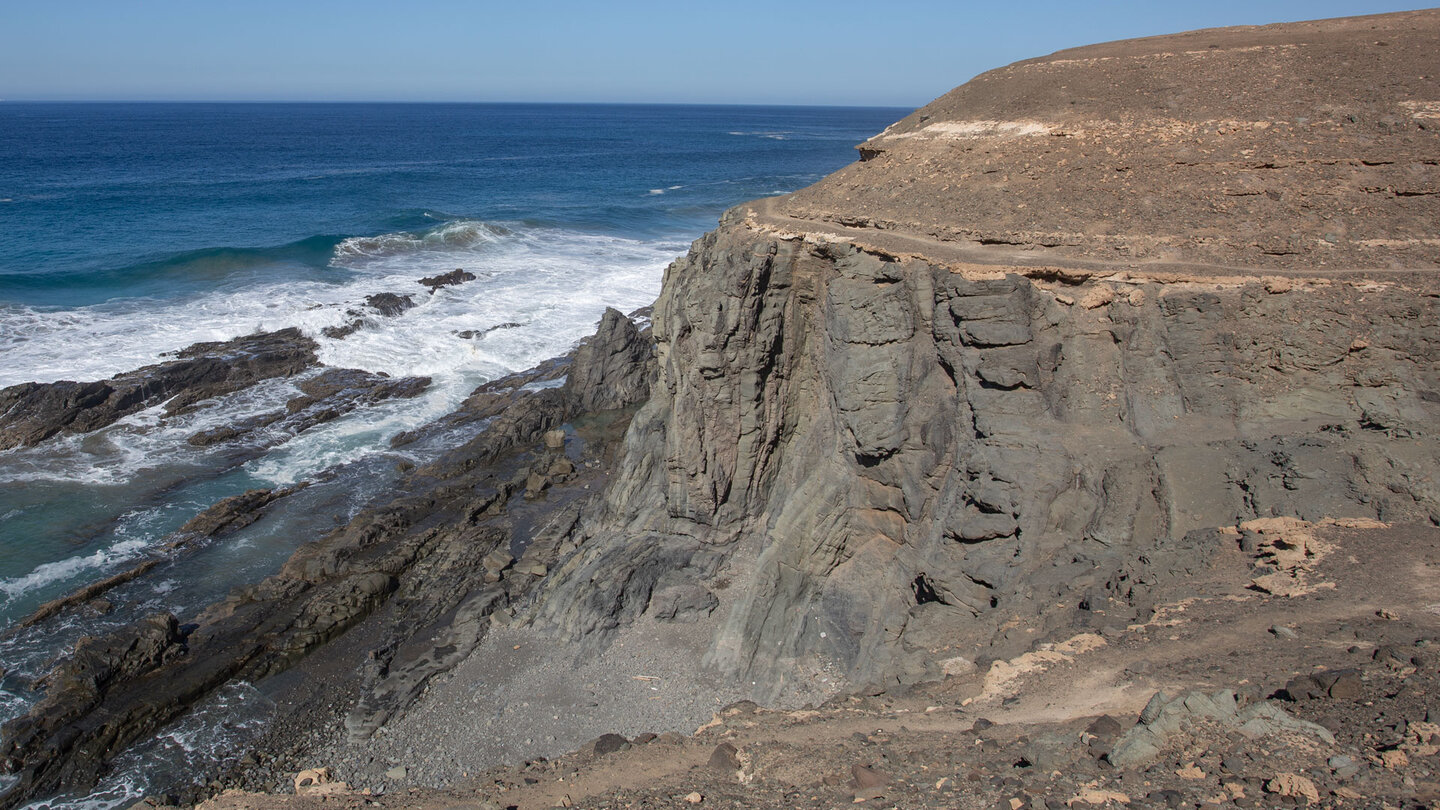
pixel 1015 366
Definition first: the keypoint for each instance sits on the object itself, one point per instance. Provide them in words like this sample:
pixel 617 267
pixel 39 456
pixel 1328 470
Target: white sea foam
pixel 553 281
pixel 452 236
pixel 61 570
pixel 547 286
pixel 141 441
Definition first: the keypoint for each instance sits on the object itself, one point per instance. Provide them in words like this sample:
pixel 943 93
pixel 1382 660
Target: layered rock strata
pixel 33 412
pixel 427 565
pixel 1017 365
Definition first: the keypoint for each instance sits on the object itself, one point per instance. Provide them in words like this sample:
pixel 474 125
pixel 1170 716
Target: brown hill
pixel 1310 146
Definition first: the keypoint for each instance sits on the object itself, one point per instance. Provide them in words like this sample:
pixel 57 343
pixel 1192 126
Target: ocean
pixel 131 230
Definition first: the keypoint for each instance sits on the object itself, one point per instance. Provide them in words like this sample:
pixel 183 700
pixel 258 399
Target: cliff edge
pixel 1015 369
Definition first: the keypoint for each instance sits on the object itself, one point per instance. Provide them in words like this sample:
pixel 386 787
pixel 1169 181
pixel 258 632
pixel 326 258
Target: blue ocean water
pixel 110 200
pixel 131 230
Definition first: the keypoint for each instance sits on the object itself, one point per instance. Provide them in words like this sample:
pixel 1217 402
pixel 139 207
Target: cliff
pixel 1010 372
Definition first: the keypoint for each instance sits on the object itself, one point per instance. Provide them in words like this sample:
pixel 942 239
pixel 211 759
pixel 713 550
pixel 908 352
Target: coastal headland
pixel 1076 446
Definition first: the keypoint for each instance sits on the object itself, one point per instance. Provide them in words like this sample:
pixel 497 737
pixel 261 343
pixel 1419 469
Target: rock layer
pixel 33 412
pixel 419 559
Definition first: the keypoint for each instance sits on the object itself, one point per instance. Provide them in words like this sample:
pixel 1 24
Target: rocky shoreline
pixel 412 584
pixel 1082 371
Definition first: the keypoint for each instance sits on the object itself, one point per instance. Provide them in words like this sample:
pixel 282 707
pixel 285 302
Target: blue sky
pixel 896 53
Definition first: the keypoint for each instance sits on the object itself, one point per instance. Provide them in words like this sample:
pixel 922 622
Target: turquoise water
pixel 131 230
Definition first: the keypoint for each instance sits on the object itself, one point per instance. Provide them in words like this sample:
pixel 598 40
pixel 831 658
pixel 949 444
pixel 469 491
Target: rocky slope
pixel 1012 369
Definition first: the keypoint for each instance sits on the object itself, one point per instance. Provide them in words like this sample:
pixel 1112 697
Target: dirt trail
pixel 1037 261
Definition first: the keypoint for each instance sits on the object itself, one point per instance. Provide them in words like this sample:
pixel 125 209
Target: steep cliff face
pixel 885 445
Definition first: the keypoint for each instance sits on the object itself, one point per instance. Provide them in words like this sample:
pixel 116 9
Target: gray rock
pixel 1169 718
pixel 457 276
pixel 1343 766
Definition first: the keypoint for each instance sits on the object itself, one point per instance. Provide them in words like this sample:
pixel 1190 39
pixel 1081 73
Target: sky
pixel 899 53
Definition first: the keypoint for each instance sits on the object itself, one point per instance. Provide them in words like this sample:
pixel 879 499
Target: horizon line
pixel 457 102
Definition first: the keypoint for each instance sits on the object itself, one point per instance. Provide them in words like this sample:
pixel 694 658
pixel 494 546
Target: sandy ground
pixel 514 700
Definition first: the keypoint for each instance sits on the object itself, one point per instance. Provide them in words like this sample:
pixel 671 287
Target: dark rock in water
pixel 422 557
pixel 33 412
pixel 389 304
pixel 88 593
pixel 326 396
pixel 342 332
pixel 235 430
pixel 52 746
pixel 476 334
pixel 456 276
pixel 348 388
pixel 233 513
pixel 613 368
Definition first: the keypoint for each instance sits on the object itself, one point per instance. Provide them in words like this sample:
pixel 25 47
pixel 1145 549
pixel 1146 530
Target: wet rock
pixel 457 276
pixel 342 332
pixel 233 513
pixel 39 748
pixel 389 304
pixel 33 412
pixel 324 397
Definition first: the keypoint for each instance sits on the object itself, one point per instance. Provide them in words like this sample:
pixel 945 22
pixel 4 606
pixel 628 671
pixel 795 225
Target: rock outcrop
pixel 1020 363
pixel 33 412
pixel 415 565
